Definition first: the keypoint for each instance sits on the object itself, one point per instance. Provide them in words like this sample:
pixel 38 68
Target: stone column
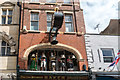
pixel 81 62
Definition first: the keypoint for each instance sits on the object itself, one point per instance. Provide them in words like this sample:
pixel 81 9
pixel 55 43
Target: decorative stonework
pixel 7 4
pixel 9 40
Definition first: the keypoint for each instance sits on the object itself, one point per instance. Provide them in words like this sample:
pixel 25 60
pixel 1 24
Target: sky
pixel 99 12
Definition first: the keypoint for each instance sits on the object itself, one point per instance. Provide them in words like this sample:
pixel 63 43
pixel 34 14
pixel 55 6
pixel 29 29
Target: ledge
pixel 53 32
pixel 33 31
pixel 55 73
pixel 34 3
pixel 66 4
pixel 8 24
pixel 50 3
pixel 71 33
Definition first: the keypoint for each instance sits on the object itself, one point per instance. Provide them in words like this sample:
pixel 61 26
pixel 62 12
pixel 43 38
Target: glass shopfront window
pixel 52 60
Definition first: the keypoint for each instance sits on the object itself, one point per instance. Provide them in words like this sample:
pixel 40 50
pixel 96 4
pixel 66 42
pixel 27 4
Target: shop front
pixel 52 62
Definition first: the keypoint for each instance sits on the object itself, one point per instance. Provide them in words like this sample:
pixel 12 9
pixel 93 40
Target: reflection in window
pixel 34 0
pixel 49 21
pixel 51 1
pixel 7 16
pixel 9 20
pixel 4 12
pixel 107 55
pixel 34 21
pixel 69 23
pixel 67 1
pixel 3 19
pixel 5 49
pixel 10 12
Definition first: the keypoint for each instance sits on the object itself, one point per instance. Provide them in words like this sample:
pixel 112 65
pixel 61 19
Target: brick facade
pixel 74 39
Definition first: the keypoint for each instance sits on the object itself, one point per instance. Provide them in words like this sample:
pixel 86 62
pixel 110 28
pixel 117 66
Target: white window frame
pixel 36 21
pixel 6 46
pixel 111 49
pixel 72 26
pixel 7 15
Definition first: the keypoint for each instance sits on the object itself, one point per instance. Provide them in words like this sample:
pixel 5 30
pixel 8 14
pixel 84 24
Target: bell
pixel 33 55
pixel 54 41
pixel 43 55
pixel 63 56
pixel 73 57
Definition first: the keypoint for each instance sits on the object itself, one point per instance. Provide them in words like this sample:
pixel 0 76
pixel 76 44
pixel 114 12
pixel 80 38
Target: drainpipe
pixel 17 66
pixel 75 16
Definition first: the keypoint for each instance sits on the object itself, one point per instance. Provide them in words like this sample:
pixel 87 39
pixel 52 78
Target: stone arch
pixel 48 45
pixel 9 40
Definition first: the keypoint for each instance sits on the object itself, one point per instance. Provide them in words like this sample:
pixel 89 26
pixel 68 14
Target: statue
pixel 33 65
pixel 43 62
pixel 62 63
pixel 53 62
pixel 69 64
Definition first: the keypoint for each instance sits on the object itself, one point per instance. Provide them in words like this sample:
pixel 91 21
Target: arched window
pixel 5 49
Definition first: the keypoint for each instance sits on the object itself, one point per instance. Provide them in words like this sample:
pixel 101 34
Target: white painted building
pixel 101 52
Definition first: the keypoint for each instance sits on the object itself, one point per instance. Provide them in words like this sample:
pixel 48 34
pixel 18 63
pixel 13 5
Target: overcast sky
pixel 98 12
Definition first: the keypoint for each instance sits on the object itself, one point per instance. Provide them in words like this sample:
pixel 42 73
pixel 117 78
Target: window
pixel 7 16
pixel 69 23
pixel 34 0
pixel 52 60
pixel 5 49
pixel 67 1
pixel 49 21
pixel 34 21
pixel 107 55
pixel 51 1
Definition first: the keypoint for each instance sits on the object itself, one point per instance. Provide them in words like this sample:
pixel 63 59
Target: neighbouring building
pixel 101 52
pixel 113 28
pixel 38 59
pixel 9 28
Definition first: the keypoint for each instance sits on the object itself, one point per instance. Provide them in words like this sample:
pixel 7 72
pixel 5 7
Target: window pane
pixel 67 1
pixel 34 25
pixel 10 12
pixel 51 1
pixel 3 51
pixel 3 20
pixel 8 51
pixel 34 0
pixel 107 52
pixel 48 26
pixel 49 17
pixel 34 17
pixel 68 18
pixel 108 59
pixel 3 43
pixel 9 20
pixel 69 27
pixel 4 12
